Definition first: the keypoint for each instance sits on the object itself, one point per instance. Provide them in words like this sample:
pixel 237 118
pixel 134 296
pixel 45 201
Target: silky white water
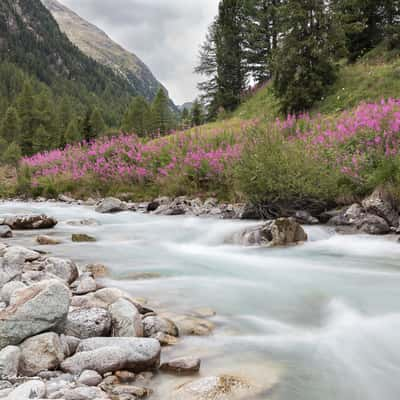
pixel 322 318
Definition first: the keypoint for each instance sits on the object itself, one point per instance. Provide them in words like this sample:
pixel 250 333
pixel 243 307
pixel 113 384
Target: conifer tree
pixel 72 134
pixel 11 126
pixel 304 62
pixel 97 124
pixel 41 140
pixel 12 154
pixel 137 119
pixel 161 113
pixel 197 117
pixel 26 104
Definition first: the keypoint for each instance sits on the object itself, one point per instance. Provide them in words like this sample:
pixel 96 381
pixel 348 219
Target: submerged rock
pixel 184 365
pixel 25 222
pixel 82 237
pixel 44 240
pixel 5 231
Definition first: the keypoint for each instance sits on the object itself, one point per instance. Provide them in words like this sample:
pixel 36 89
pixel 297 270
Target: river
pixel 321 320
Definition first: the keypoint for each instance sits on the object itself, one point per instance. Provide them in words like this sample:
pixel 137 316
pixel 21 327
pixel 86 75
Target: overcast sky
pixel 165 34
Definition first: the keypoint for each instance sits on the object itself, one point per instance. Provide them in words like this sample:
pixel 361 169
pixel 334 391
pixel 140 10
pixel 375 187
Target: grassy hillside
pixel 373 78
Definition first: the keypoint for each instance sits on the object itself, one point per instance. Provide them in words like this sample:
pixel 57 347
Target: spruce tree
pixel 197 114
pixel 304 62
pixel 161 114
pixel 72 134
pixel 137 119
pixel 26 104
pixel 11 126
pixel 41 140
pixel 97 124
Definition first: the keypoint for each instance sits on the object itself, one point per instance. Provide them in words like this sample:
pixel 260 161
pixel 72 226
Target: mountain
pixel 96 44
pixel 31 41
pixel 186 106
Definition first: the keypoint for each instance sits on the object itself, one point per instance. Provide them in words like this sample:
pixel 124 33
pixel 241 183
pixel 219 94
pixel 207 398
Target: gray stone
pixel 373 225
pixel 88 322
pixel 84 284
pixel 85 393
pixel 62 268
pixel 381 204
pixel 5 231
pixel 113 354
pixel 90 378
pixel 38 308
pixel 34 389
pixel 184 365
pixel 70 344
pixel 41 353
pixel 154 324
pixel 10 358
pixel 27 222
pixel 102 298
pixel 9 288
pixel 126 319
pixel 111 205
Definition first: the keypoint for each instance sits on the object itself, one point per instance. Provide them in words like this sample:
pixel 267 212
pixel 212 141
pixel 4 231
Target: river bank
pixel 273 306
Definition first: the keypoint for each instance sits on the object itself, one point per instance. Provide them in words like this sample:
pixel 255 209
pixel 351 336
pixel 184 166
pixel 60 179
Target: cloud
pixel 165 34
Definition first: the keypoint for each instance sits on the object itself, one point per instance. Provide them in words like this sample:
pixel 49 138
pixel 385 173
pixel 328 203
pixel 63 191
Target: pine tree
pixel 304 62
pixel 97 124
pixel 197 114
pixel 137 119
pixel 11 126
pixel 26 104
pixel 161 113
pixel 72 134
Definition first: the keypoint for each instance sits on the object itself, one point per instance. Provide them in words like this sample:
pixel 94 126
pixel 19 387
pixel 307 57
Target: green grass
pixel 374 77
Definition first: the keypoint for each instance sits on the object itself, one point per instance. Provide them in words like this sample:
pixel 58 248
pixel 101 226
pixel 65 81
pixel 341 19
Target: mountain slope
pixel 96 44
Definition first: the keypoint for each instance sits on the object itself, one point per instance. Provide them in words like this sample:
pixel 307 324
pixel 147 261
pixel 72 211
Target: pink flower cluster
pixel 355 141
pixel 197 155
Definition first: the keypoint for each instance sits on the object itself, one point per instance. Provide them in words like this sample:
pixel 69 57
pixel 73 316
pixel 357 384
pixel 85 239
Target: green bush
pixel 275 170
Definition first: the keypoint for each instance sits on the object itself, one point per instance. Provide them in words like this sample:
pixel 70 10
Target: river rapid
pixel 320 321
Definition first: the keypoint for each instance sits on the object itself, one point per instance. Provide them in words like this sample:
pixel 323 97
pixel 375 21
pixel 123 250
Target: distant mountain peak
pixel 96 44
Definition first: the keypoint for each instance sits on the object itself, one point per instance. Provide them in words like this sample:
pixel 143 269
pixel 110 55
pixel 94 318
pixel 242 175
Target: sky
pixel 164 34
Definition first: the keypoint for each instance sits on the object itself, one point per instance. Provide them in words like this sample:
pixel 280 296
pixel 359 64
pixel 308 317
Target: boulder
pixel 82 237
pixel 278 232
pixel 154 324
pixel 126 319
pixel 113 354
pixel 41 353
pixel 129 390
pixel 84 284
pixel 34 389
pixel 10 358
pixel 5 231
pixel 381 205
pixel 304 217
pixel 373 225
pixel 90 378
pixel 9 289
pixel 184 365
pixel 27 222
pixel 111 205
pixel 64 269
pixel 84 323
pixel 97 270
pixel 85 393
pixel 192 326
pixel 65 199
pixel 102 298
pixel 38 308
pixel 44 240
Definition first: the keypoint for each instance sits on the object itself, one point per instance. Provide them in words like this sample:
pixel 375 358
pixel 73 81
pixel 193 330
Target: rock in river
pixel 111 205
pixel 38 308
pixel 24 222
pixel 184 365
pixel 5 231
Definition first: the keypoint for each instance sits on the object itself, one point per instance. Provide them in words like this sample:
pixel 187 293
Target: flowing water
pixel 321 319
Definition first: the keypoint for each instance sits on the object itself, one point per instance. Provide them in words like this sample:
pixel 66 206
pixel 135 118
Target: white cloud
pixel 165 34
